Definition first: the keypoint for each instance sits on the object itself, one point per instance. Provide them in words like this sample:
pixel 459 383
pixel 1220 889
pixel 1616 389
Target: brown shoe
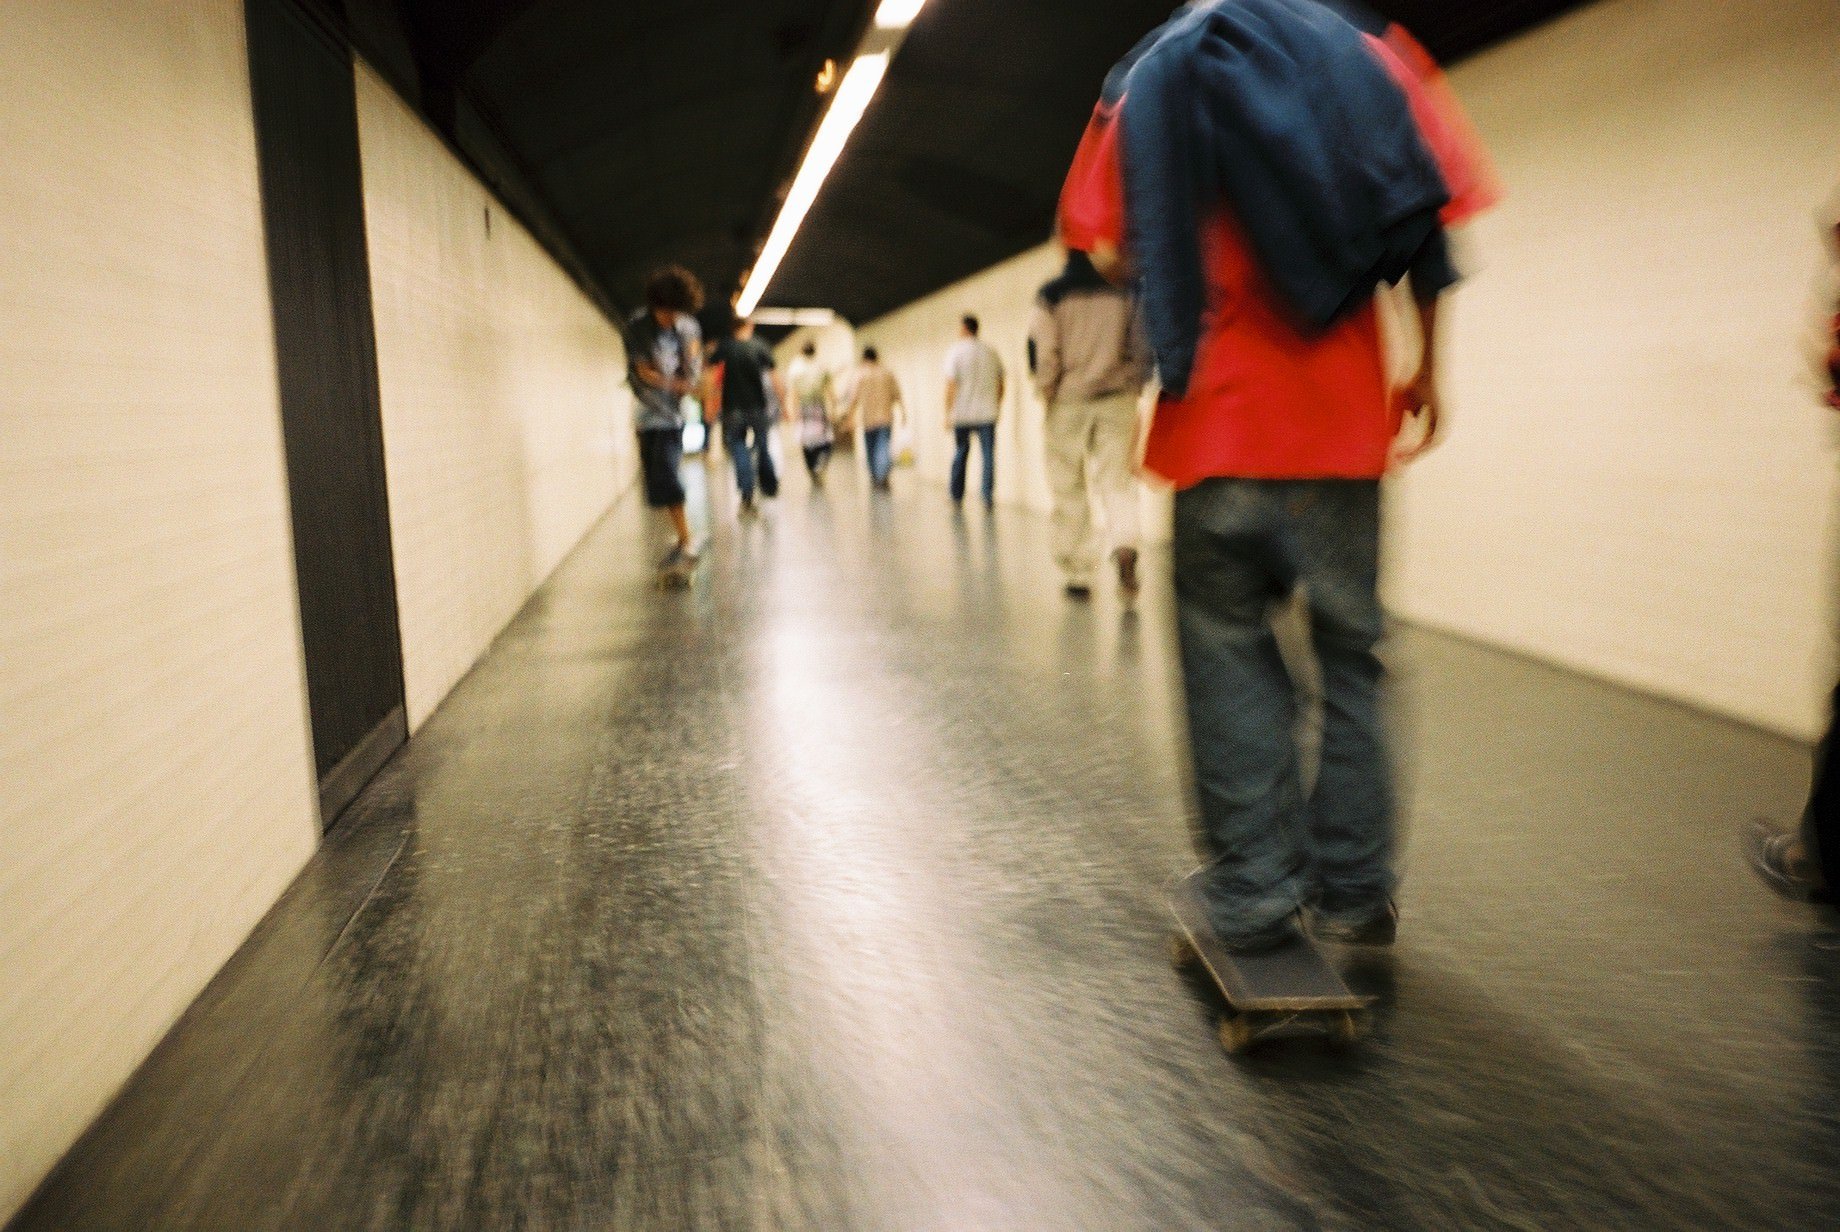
pixel 1127 570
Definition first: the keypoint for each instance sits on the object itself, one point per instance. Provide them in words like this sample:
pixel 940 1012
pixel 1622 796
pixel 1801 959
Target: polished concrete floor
pixel 824 895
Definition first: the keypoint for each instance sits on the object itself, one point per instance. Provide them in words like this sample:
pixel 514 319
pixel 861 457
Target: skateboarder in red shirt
pixel 1276 443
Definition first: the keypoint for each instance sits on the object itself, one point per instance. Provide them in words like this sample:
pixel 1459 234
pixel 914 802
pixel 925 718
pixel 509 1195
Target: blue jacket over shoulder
pixel 1278 110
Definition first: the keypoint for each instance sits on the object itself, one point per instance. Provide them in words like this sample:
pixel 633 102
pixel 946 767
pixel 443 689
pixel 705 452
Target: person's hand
pixel 1422 401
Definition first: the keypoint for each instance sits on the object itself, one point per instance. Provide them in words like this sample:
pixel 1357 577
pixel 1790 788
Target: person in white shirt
pixel 974 392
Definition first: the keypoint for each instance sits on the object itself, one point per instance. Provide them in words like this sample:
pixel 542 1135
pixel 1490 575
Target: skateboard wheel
pixel 1181 953
pixel 1236 1033
pixel 1349 1028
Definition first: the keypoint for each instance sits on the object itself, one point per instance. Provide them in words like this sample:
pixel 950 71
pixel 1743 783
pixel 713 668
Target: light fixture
pixel 816 318
pixel 897 14
pixel 846 111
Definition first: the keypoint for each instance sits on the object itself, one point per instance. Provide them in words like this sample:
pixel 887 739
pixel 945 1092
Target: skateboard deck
pixel 1285 992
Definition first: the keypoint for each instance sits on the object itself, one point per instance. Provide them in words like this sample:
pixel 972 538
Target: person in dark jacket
pixel 1804 863
pixel 749 383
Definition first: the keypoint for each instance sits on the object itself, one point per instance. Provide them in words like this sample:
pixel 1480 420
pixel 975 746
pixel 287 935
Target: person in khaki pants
pixel 1090 360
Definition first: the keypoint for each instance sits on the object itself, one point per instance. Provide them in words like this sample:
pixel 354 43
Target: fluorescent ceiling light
pixel 847 107
pixel 896 14
pixel 817 317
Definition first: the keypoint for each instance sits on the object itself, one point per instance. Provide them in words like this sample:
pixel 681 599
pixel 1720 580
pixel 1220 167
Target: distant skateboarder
pixel 664 356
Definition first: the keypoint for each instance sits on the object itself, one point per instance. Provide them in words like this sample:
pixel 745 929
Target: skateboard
pixel 1287 992
pixel 677 576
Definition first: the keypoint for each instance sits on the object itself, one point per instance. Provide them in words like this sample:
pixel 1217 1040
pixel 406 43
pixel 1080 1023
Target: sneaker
pixel 1127 570
pixel 1079 590
pixel 1378 928
pixel 1271 937
pixel 1781 860
pixel 750 508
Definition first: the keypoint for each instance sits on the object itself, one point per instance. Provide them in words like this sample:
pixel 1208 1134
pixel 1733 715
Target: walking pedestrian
pixel 748 376
pixel 974 396
pixel 814 407
pixel 875 399
pixel 1089 359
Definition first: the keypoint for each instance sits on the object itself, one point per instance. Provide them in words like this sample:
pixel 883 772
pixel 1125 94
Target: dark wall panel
pixel 325 343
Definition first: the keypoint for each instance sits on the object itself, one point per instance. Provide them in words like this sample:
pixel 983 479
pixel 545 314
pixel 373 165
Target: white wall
pixel 506 421
pixel 1638 482
pixel 156 779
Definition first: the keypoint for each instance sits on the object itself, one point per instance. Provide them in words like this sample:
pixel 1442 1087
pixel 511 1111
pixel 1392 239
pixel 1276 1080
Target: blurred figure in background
pixel 1089 358
pixel 1804 863
pixel 814 408
pixel 664 349
pixel 746 393
pixel 974 393
pixel 875 398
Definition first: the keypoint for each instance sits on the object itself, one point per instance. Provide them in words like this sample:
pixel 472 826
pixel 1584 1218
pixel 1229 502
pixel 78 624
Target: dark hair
pixel 971 325
pixel 870 355
pixel 673 289
pixel 810 348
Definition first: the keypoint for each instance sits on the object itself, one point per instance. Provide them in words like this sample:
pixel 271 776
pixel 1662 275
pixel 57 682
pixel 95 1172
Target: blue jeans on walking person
pixel 878 445
pixel 987 445
pixel 737 426
pixel 1242 547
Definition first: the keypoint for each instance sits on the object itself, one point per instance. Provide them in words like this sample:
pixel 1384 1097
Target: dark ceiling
pixel 631 134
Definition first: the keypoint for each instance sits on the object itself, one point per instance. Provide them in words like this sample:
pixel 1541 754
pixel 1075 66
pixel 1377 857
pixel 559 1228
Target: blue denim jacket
pixel 1278 110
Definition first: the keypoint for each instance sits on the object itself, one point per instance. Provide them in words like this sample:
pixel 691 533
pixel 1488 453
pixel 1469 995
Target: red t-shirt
pixel 1264 401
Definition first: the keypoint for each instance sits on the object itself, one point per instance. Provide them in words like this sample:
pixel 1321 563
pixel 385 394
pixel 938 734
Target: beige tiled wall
pixel 507 426
pixel 156 783
pixel 1638 480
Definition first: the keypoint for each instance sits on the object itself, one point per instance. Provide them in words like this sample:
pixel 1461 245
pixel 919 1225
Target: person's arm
pixel 1422 396
pixel 951 386
pixel 1432 274
pixel 899 403
pixel 1045 352
pixel 691 337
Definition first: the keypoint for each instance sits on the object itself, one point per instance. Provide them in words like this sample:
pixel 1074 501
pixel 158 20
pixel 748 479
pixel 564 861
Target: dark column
pixel 326 351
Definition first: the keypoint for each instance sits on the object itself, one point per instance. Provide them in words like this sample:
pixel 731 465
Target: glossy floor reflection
pixel 825 895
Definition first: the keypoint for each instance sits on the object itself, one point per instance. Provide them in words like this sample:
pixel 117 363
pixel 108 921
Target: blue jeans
pixel 878 444
pixel 987 443
pixel 737 426
pixel 1243 546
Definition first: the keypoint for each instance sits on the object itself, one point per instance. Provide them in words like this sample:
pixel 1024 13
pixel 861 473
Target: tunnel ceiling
pixel 630 134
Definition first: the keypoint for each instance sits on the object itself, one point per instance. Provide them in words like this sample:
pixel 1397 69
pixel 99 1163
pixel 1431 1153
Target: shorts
pixel 661 451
